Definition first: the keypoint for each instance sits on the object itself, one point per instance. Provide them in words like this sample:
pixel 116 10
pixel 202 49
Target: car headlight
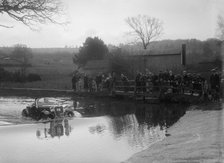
pixel 72 108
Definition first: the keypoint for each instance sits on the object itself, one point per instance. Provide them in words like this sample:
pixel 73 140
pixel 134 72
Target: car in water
pixel 44 108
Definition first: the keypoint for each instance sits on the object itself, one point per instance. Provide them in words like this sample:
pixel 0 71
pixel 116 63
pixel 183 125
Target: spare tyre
pixel 51 116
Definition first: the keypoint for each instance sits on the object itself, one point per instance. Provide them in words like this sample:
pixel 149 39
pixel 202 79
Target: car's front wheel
pixel 69 114
pixel 37 116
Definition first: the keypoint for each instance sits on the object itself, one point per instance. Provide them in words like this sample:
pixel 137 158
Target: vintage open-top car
pixel 44 108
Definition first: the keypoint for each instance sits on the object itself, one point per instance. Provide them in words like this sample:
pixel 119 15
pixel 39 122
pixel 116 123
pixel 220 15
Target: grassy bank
pixel 196 137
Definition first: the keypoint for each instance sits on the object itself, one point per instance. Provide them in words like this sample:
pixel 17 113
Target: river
pixel 105 130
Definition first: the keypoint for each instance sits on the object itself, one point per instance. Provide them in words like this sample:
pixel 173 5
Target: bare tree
pixel 31 12
pixel 220 30
pixel 23 54
pixel 145 28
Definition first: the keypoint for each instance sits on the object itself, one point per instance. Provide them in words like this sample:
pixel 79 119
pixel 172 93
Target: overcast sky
pixel 182 19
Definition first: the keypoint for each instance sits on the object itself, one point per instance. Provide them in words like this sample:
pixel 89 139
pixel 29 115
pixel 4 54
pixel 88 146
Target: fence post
pixel 183 55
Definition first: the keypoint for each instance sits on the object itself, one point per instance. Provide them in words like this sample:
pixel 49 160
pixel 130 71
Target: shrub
pixel 6 76
pixel 33 77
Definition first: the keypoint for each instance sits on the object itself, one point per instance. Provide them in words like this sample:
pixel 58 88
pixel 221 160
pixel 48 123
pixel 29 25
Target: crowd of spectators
pixel 185 83
pixel 148 82
pixel 82 82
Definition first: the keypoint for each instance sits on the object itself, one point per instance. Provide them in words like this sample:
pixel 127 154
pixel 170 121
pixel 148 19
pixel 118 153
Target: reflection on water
pixel 145 114
pixel 109 131
pixel 55 128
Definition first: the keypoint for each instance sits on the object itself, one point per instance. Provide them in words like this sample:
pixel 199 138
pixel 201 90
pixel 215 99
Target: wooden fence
pixel 151 91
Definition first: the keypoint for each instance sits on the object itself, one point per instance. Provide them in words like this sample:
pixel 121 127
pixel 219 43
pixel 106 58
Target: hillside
pixel 197 51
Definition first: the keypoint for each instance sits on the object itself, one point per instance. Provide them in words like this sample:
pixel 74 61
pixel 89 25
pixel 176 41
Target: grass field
pixel 54 68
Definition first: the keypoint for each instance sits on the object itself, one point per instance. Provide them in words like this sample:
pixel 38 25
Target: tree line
pixel 21 55
pixel 95 49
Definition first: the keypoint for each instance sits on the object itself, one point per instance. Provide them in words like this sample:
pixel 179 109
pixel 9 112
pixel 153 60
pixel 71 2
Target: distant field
pixel 62 82
pixel 54 66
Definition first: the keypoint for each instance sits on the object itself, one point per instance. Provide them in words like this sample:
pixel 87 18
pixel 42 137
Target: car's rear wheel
pixel 25 113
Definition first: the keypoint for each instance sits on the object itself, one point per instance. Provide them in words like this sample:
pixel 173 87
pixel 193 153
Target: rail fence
pixel 129 88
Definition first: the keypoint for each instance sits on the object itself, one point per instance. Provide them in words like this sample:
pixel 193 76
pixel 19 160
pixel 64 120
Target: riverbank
pixel 196 137
pixel 39 92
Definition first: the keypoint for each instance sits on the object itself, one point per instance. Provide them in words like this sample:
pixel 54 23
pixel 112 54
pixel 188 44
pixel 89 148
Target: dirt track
pixel 197 137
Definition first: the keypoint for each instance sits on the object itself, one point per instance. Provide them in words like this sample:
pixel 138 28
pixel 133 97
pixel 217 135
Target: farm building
pixel 157 62
pixel 160 62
